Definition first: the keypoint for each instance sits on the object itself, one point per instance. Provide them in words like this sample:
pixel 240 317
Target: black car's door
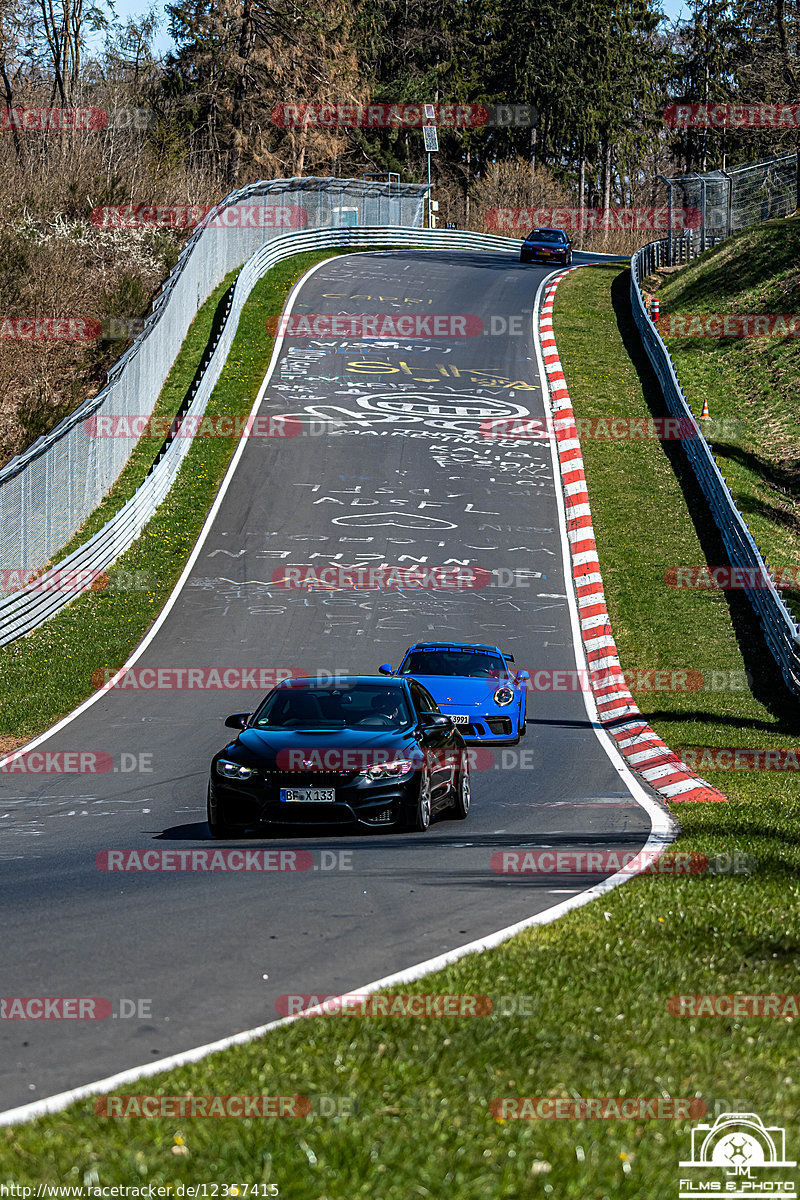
pixel 439 744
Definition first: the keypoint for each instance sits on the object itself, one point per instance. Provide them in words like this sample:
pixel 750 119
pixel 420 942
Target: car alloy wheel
pixel 463 793
pixel 421 818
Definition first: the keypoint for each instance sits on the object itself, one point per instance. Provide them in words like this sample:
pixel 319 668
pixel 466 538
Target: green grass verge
pixel 46 674
pixel 752 380
pixel 598 980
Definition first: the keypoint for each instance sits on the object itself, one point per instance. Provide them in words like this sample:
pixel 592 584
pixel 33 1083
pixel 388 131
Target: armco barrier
pixel 780 631
pixel 24 610
pixel 48 491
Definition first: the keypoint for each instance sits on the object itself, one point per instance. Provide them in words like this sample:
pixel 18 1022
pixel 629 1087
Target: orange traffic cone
pixel 705 415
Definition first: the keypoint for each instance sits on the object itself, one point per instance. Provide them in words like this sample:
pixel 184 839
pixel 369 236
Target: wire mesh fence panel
pixel 719 203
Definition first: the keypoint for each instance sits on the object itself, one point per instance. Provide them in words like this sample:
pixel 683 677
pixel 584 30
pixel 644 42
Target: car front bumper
pixel 257 801
pixel 498 728
pixel 538 256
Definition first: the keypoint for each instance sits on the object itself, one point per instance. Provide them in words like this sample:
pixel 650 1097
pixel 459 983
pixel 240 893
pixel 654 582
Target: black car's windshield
pixel 360 706
pixel 546 235
pixel 477 664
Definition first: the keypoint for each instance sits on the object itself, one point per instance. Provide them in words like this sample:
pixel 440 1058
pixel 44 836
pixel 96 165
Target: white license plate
pixel 308 795
pixel 459 720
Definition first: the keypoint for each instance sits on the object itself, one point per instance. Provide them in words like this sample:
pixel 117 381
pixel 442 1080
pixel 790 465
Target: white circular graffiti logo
pixel 451 406
pixel 453 412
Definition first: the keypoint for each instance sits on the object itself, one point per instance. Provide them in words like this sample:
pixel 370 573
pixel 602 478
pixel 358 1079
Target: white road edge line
pixel 193 557
pixel 661 832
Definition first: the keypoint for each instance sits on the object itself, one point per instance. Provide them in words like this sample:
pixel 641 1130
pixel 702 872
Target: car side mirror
pixel 435 720
pixel 237 720
pixel 386 669
pixel 523 676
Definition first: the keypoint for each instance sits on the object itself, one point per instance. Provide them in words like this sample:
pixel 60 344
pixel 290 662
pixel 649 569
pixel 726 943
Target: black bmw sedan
pixel 361 750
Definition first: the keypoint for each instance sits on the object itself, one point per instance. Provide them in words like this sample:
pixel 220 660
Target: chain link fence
pixel 47 492
pixel 706 208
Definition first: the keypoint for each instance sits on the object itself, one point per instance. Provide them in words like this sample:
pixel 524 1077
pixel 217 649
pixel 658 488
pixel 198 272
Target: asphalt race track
pixel 402 474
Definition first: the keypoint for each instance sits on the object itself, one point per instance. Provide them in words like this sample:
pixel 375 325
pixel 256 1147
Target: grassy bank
pixel 595 985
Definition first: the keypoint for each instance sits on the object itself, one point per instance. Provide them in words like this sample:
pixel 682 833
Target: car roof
pixel 344 681
pixel 541 229
pixel 454 646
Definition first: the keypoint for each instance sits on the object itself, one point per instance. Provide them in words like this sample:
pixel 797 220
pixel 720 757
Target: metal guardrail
pixel 22 611
pixel 780 630
pixel 48 491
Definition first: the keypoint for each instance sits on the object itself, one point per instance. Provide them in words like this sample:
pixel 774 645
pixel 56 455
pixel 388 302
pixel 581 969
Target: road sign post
pixel 431 142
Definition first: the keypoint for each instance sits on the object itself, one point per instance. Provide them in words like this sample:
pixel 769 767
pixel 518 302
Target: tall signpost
pixel 431 139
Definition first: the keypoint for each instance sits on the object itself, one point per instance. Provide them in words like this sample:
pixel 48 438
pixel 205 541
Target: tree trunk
pixel 9 97
pixel 790 76
pixel 581 190
pixel 606 185
pixel 466 189
pixel 238 119
pixel 582 177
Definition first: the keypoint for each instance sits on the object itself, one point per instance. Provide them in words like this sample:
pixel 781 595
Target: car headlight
pixel 503 696
pixel 232 770
pixel 395 769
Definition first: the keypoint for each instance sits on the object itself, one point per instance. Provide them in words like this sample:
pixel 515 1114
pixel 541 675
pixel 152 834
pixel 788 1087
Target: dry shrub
pixel 55 263
pixel 512 183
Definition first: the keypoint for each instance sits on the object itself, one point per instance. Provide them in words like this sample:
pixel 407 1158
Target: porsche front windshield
pixel 476 664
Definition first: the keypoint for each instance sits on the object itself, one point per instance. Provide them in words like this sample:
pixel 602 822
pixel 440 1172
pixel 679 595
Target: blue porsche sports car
pixel 473 684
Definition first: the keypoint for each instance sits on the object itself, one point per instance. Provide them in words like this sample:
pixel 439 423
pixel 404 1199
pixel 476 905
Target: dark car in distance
pixel 360 750
pixel 546 245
